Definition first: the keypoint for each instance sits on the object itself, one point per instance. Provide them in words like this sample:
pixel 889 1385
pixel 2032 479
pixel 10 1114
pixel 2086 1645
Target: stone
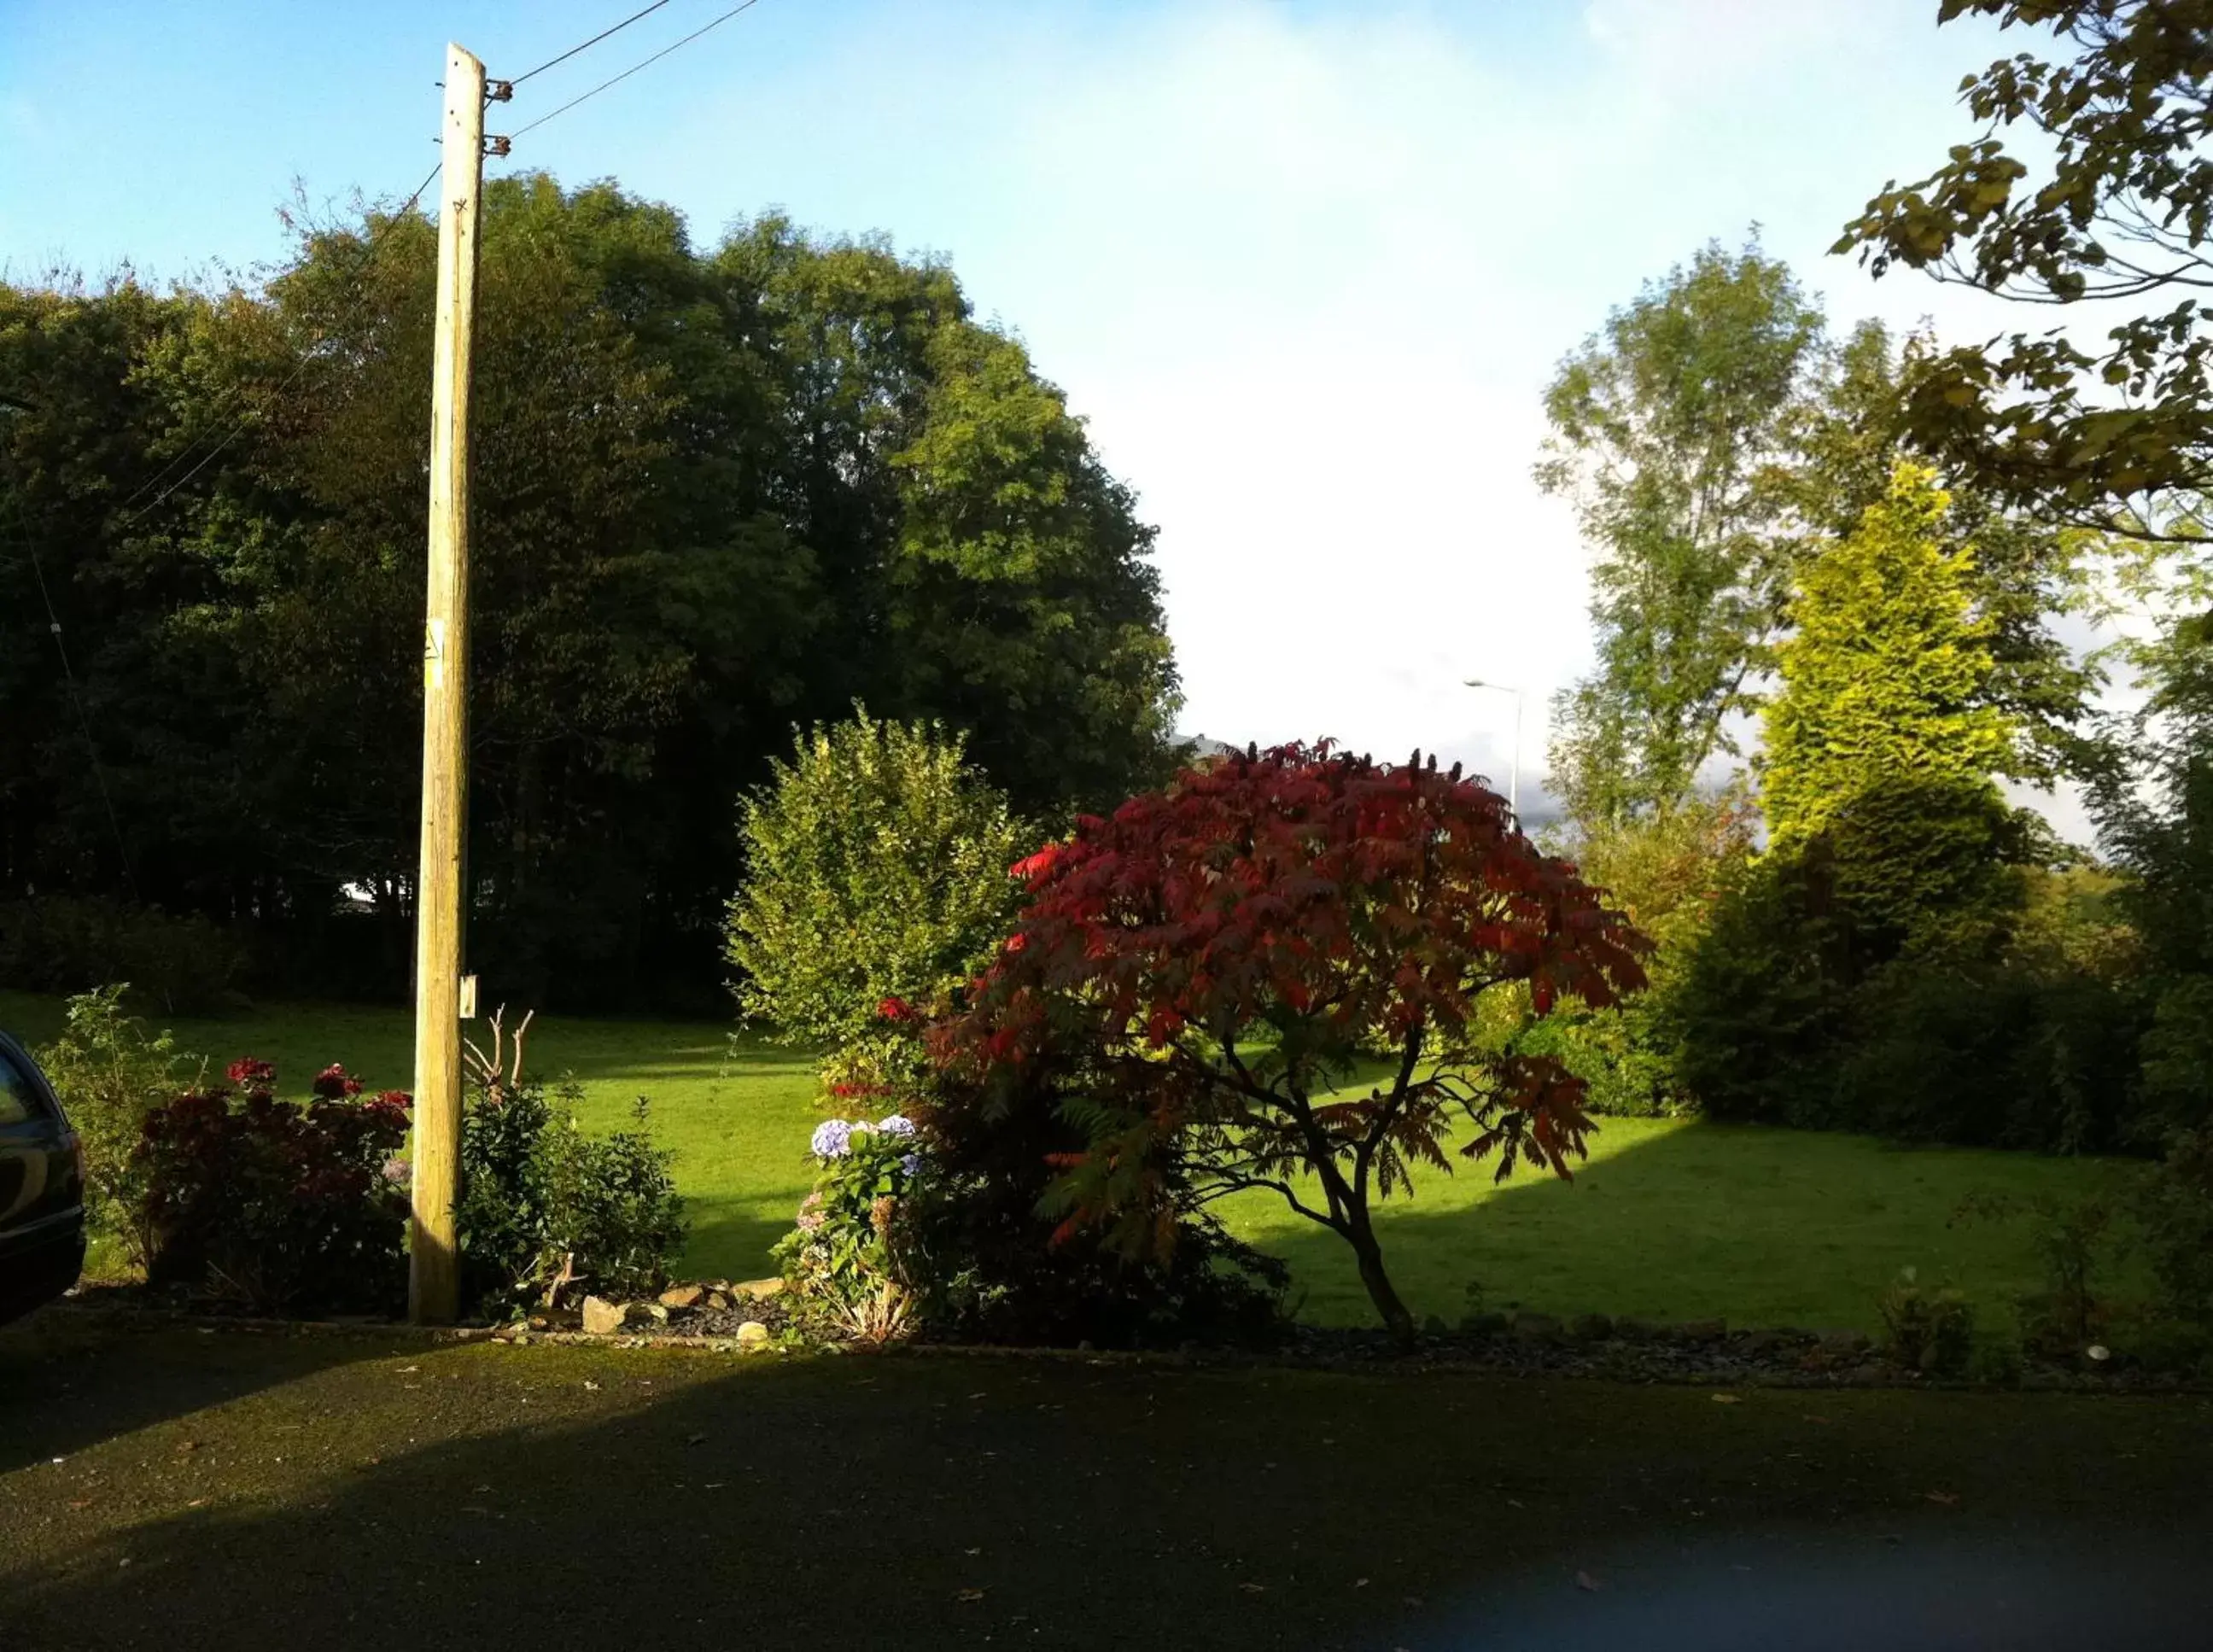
pixel 1702 1330
pixel 1868 1376
pixel 1840 1343
pixel 1591 1327
pixel 1536 1327
pixel 756 1289
pixel 1758 1343
pixel 682 1295
pixel 603 1318
pixel 752 1334
pixel 1435 1325
pixel 717 1301
pixel 657 1313
pixel 1485 1325
pixel 1635 1330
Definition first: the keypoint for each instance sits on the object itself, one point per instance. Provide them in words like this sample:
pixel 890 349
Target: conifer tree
pixel 1881 747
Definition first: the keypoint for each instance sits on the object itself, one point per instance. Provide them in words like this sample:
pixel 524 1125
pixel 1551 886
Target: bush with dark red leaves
pixel 256 1203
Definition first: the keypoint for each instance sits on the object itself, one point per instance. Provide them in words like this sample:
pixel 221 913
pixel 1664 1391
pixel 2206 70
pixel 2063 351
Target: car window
pixel 20 1098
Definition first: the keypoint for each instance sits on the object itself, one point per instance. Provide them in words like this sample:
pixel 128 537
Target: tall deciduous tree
pixel 716 494
pixel 2113 201
pixel 1662 424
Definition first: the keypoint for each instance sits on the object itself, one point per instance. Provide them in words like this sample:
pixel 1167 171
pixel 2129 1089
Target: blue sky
pixel 1305 267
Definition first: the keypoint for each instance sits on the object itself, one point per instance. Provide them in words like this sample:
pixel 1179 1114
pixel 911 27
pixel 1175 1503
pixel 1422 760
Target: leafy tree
pixel 2115 202
pixel 876 869
pixel 1846 435
pixel 717 492
pixel 114 1075
pixel 1894 961
pixel 1199 984
pixel 1662 425
pixel 1880 743
pixel 1667 872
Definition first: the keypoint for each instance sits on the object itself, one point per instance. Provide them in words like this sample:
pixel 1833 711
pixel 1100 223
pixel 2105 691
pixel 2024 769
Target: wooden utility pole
pixel 434 1270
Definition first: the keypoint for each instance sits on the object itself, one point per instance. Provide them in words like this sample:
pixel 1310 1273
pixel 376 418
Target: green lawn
pixel 1668 1221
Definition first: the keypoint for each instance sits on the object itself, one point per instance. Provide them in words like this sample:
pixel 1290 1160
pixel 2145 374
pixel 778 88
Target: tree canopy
pixel 2114 201
pixel 1662 424
pixel 716 492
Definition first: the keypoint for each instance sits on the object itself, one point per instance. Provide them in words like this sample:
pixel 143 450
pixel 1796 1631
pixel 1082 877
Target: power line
pixel 589 44
pixel 747 6
pixel 368 254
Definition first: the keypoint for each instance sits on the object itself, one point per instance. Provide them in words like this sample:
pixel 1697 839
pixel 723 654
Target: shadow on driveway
pixel 485 1494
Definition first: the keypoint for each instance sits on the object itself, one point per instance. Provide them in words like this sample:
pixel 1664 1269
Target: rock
pixel 717 1301
pixel 1635 1330
pixel 1868 1376
pixel 756 1289
pixel 514 1331
pixel 1435 1325
pixel 682 1295
pixel 657 1313
pixel 1757 1344
pixel 539 1322
pixel 1841 1343
pixel 1590 1327
pixel 1536 1327
pixel 752 1334
pixel 601 1317
pixel 1702 1330
pixel 1485 1325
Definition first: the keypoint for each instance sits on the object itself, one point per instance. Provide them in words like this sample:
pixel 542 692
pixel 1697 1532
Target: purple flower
pixel 832 1139
pixel 911 1163
pixel 896 1123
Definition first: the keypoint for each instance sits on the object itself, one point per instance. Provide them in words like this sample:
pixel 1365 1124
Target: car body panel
pixel 41 1188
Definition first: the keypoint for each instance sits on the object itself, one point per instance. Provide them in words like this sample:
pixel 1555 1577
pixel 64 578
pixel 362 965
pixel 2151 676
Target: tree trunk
pixel 1396 1317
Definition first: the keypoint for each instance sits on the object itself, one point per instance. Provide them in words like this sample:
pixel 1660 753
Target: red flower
pixel 896 1010
pixel 251 1072
pixel 334 1082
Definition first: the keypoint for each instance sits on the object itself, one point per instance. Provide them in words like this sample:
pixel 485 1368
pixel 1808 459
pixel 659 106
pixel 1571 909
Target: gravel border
pixel 1531 1347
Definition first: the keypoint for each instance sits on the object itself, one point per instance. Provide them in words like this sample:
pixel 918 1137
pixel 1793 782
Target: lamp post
pixel 1513 775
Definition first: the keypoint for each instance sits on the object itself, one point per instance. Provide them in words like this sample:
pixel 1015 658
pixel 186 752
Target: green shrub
pixel 1925 1330
pixel 1667 872
pixel 851 1259
pixel 69 943
pixel 1995 1362
pixel 2075 1241
pixel 2022 1034
pixel 876 868
pixel 994 1262
pixel 111 1075
pixel 547 1209
pixel 2174 1210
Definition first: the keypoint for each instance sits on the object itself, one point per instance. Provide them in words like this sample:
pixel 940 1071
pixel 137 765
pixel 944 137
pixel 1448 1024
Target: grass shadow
pixel 1691 1220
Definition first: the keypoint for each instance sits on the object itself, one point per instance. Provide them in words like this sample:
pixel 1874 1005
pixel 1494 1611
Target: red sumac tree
pixel 1200 980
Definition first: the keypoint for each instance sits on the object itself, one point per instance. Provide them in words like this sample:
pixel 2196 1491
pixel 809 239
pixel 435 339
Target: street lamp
pixel 1514 778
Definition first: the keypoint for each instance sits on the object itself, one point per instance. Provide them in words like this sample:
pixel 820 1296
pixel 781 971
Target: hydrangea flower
pixel 832 1139
pixel 911 1163
pixel 896 1123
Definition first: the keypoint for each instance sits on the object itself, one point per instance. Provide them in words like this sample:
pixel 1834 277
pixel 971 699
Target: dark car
pixel 41 1188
